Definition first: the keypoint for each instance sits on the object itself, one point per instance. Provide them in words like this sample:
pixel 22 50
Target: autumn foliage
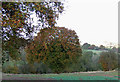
pixel 17 22
pixel 108 60
pixel 56 47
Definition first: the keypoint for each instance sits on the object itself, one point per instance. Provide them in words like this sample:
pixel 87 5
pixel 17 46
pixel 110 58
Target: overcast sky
pixel 95 21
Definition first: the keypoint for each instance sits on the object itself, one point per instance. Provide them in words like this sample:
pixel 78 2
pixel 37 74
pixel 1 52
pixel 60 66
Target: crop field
pixel 95 75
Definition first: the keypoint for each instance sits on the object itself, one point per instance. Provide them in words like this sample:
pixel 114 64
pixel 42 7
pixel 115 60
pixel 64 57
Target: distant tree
pixel 114 49
pixel 97 48
pixel 108 60
pixel 92 47
pixel 56 47
pixel 102 47
pixel 85 46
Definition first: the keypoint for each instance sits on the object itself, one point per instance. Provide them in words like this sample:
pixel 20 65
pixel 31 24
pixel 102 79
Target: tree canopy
pixel 17 22
pixel 16 16
pixel 57 47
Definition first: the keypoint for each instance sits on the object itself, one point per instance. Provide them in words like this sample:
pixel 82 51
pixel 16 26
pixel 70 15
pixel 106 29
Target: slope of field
pixel 94 51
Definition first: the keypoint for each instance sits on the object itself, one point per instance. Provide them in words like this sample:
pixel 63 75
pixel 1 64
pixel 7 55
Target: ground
pixel 95 75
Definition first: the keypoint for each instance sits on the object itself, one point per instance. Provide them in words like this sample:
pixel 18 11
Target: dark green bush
pixel 25 69
pixel 88 62
pixel 36 68
pixel 42 68
pixel 10 67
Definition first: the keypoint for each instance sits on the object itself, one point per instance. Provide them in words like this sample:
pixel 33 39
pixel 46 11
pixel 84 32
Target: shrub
pixel 42 68
pixel 5 56
pixel 10 67
pixel 35 68
pixel 25 69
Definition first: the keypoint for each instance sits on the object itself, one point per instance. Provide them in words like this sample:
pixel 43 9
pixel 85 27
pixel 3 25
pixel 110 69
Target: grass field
pixel 94 51
pixel 98 75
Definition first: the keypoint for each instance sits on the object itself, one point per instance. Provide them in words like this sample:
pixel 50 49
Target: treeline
pixel 105 61
pixel 53 50
pixel 89 61
pixel 101 47
pixel 57 50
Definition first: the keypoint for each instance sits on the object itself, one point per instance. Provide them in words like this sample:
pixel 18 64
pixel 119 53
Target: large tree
pixel 57 47
pixel 17 22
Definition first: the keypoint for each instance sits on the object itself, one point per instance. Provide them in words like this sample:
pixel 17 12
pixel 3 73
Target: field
pixel 95 75
pixel 94 51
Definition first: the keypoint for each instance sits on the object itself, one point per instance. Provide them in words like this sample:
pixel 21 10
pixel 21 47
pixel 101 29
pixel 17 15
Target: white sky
pixel 95 21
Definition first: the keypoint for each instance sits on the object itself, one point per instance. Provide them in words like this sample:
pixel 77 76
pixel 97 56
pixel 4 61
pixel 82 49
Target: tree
pixel 114 49
pixel 17 21
pixel 95 63
pixel 108 60
pixel 102 47
pixel 92 47
pixel 56 47
pixel 86 60
pixel 86 46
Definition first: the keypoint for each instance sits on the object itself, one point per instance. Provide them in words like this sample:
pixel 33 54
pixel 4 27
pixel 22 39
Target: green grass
pixel 70 76
pixel 94 51
pixel 63 77
pixel 84 76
